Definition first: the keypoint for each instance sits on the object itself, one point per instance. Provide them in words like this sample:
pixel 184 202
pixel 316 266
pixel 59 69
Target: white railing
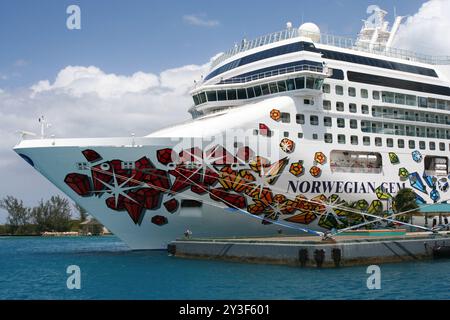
pixel 277 72
pixel 332 40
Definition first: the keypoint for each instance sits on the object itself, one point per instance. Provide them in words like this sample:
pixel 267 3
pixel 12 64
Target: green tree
pixel 81 212
pixel 405 201
pixel 19 216
pixel 53 215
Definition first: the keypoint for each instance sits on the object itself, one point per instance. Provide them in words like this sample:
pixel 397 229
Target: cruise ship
pixel 294 132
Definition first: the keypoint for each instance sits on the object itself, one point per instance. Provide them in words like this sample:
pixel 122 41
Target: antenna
pixel 44 125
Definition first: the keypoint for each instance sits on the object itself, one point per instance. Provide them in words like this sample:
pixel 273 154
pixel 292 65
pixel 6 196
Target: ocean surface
pixel 35 268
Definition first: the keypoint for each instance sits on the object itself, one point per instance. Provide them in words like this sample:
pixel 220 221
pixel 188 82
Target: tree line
pixel 52 215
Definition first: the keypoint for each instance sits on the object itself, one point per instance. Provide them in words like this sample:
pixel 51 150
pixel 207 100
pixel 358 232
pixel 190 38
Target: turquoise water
pixel 35 268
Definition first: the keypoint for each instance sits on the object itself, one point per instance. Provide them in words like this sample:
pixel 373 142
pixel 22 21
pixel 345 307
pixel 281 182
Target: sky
pixel 133 59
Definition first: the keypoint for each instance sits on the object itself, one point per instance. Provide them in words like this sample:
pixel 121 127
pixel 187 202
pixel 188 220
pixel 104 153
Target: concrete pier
pixel 347 250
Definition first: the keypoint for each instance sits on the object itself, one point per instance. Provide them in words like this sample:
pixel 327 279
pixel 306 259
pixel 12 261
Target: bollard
pixel 319 257
pixel 303 257
pixel 336 255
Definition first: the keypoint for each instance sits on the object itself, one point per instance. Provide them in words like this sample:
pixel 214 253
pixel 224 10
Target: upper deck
pixel 332 40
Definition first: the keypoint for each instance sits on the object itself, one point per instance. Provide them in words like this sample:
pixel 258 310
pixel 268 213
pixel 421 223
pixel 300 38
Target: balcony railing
pixel 332 40
pixel 277 72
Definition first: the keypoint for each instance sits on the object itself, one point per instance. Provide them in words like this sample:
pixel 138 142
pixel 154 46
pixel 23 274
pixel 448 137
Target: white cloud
pixel 88 102
pixel 427 30
pixel 200 21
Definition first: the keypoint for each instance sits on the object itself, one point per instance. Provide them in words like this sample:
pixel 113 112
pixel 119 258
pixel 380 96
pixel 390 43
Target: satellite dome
pixel 310 30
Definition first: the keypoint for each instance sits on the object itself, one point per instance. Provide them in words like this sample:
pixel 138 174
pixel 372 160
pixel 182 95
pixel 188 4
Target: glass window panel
pixel 326 105
pixel 273 87
pixel 300 118
pixel 202 97
pixel 352 92
pixel 281 86
pixel 300 83
pixel 222 95
pixel 212 95
pixel 231 94
pixel 327 122
pixel 364 93
pixel 258 91
pixel 290 84
pixel 250 93
pixel 196 101
pixel 265 89
pixel 309 83
pixel 339 90
pixel 242 94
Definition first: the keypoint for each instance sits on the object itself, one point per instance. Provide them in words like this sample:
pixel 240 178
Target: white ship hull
pixel 294 197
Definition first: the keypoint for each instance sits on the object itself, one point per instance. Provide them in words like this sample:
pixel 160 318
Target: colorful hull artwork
pixel 243 181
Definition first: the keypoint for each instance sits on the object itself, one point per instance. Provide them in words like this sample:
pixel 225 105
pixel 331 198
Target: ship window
pixel 328 137
pixel 401 143
pixel 222 95
pixel 400 98
pixel 300 135
pixel 341 138
pixel 390 142
pixel 255 132
pixel 365 109
pixel 341 123
pixel 326 88
pixel 432 103
pixel 265 89
pixel 242 94
pixel 411 100
pixel 388 97
pixel 327 122
pixel 314 120
pixel 281 86
pixel 285 117
pixel 366 141
pixel 300 118
pixel 376 95
pixel 411 144
pixel 378 142
pixel 422 145
pixel 290 84
pixel 202 97
pixel 353 108
pixel 339 90
pixel 286 134
pixel 436 166
pixel 315 136
pixel 354 140
pixel 273 87
pixel 258 91
pixel 353 124
pixel 432 145
pixel 309 83
pixel 196 101
pixel 188 203
pixel 326 105
pixel 307 102
pixel 423 102
pixel 355 162
pixel 339 106
pixel 364 93
pixel 250 93
pixel 352 92
pixel 212 95
pixel 300 83
pixel 231 94
pixel 441 146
